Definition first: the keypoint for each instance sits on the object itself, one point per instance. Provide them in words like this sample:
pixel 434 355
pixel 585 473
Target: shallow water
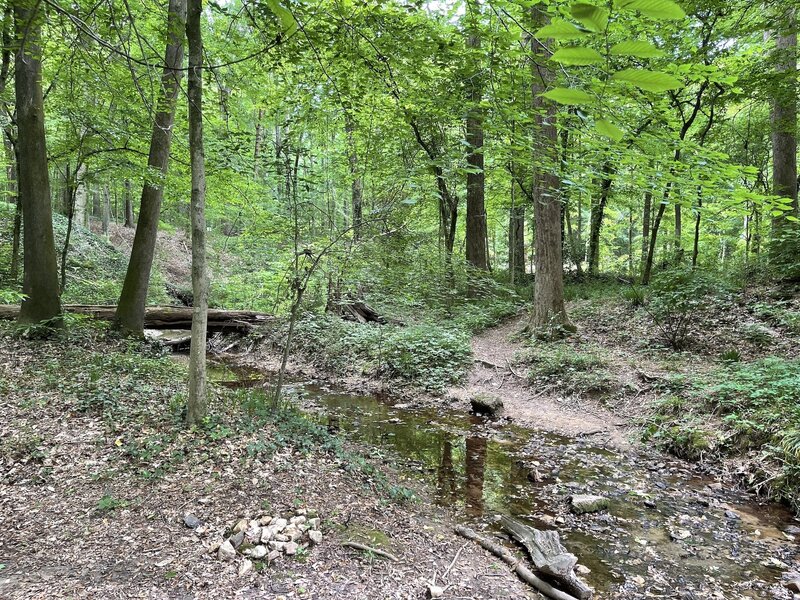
pixel 689 541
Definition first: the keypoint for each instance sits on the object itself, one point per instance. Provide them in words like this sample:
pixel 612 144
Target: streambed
pixel 670 532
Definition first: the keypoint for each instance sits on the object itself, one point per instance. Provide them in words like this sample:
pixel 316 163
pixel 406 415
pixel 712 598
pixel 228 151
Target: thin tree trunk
pixel 356 184
pixel 11 175
pixel 40 284
pixel 646 210
pixel 258 143
pixel 128 205
pixel 476 227
pixel 596 219
pixel 79 202
pixel 69 201
pixel 651 251
pixel 516 238
pixel 130 310
pixel 106 210
pixel 696 245
pixel 549 314
pixel 197 405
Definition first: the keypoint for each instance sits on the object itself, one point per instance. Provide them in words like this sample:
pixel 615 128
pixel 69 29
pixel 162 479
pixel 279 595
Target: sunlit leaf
pixel 651 81
pixel 577 55
pixel 560 30
pixel 590 16
pixel 608 129
pixel 656 9
pixel 640 49
pixel 568 96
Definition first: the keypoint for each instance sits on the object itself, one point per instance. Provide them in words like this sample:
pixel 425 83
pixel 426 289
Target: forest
pixel 370 299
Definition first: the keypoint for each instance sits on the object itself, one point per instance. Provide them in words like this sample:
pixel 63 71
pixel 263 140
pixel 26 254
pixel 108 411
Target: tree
pixel 197 404
pixel 549 313
pixel 476 236
pixel 131 305
pixel 40 285
pixel 784 137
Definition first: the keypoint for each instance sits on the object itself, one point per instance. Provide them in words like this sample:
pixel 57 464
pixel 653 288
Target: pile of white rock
pixel 269 537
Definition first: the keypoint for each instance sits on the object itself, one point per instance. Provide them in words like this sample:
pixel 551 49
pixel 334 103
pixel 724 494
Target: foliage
pixel 560 365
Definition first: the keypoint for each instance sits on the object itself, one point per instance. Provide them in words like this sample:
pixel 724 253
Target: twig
pixel 455 558
pixel 375 551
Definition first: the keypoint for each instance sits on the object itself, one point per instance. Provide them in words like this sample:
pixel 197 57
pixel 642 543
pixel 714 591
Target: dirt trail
pixel 494 374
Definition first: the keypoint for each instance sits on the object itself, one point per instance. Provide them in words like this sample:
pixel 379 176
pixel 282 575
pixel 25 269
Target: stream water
pixel 669 532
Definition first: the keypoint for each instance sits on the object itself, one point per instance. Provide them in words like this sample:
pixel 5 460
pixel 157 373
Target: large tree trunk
pixel 40 283
pixel 549 315
pixel 130 312
pixel 476 234
pixel 596 219
pixel 784 137
pixel 198 403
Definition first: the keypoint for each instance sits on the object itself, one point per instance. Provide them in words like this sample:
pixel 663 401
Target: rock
pixel 279 524
pixel 292 532
pixel 315 537
pixel 226 551
pixel 290 548
pixel 587 503
pixel 793 585
pixel 241 525
pixel 253 534
pixel 434 591
pixel 650 504
pixel 257 552
pixel 314 523
pixel 729 514
pixel 273 555
pixel 775 563
pixel 191 521
pixel 680 534
pixel 297 520
pixel 279 546
pixel 582 570
pixel 484 404
pixel 236 540
pixel 245 567
pixel 264 521
pixel 301 512
pixel 280 537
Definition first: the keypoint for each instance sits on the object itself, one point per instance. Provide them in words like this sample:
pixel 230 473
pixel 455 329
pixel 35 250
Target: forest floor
pixel 97 475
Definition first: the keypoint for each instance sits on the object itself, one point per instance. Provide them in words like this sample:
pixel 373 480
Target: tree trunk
pixel 549 315
pixel 69 205
pixel 651 250
pixel 696 245
pixel 11 175
pixel 259 141
pixel 40 283
pixel 106 210
pixel 516 238
pixel 647 209
pixel 198 402
pixel 130 312
pixel 476 232
pixel 80 200
pixel 128 205
pixel 784 137
pixel 356 184
pixel 596 219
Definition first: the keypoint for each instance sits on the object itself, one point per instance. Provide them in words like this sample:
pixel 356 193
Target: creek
pixel 670 531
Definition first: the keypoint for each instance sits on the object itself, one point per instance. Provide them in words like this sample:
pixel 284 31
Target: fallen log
pixel 362 313
pixel 521 570
pixel 165 317
pixel 550 558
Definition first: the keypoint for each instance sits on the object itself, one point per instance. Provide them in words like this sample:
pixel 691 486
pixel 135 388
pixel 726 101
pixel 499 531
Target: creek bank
pixel 669 528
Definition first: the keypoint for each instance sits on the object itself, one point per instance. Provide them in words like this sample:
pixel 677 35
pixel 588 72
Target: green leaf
pixel 559 30
pixel 590 16
pixel 651 81
pixel 640 49
pixel 577 55
pixel 656 9
pixel 568 96
pixel 608 129
pixel 285 15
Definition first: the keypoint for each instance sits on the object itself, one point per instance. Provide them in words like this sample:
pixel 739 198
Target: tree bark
pixel 516 238
pixel 549 313
pixel 596 219
pixel 198 402
pixel 356 183
pixel 784 137
pixel 128 205
pixel 40 283
pixel 11 175
pixel 106 209
pixel 130 312
pixel 646 210
pixel 476 231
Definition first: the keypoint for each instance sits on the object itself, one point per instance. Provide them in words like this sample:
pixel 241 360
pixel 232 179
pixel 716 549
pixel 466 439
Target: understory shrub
pixel 562 366
pixel 427 355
